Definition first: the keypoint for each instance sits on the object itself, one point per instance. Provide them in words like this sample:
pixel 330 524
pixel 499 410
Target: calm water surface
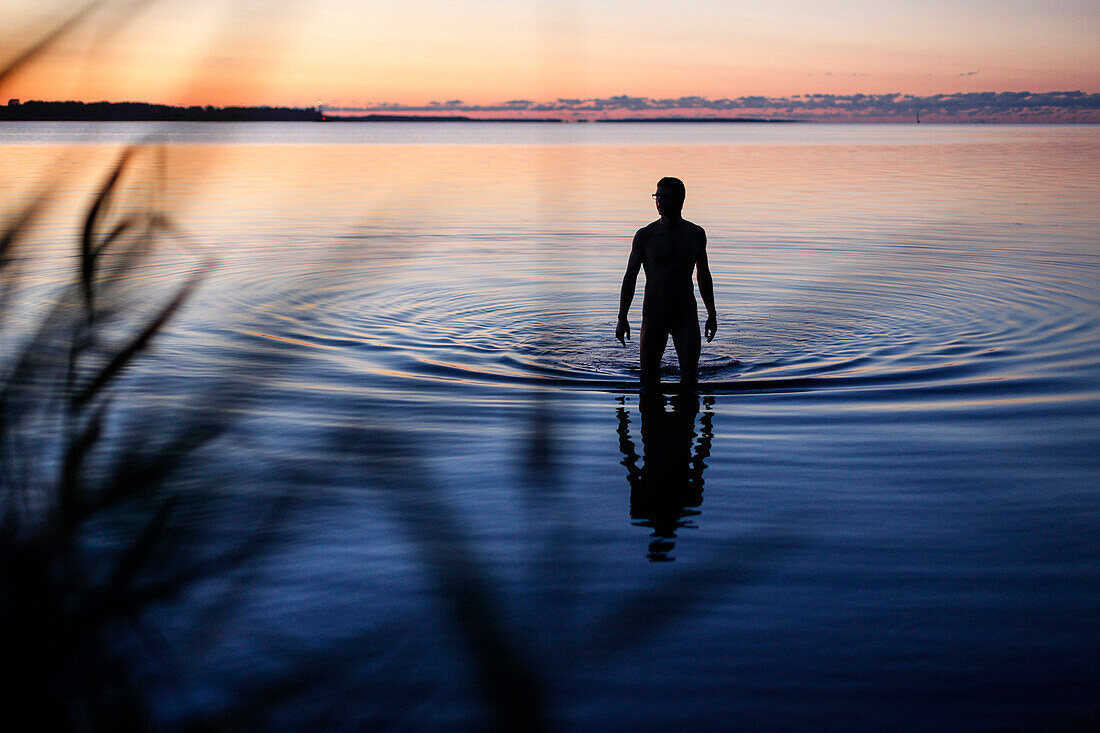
pixel 879 512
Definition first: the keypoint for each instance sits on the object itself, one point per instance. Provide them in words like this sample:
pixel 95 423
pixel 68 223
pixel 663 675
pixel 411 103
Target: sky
pixel 412 52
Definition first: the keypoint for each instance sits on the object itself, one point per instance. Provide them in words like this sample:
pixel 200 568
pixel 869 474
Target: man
pixel 669 250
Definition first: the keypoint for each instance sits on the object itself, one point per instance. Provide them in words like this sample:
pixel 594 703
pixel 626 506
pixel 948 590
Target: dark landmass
pixel 1002 107
pixel 36 111
pixel 697 119
pixel 143 112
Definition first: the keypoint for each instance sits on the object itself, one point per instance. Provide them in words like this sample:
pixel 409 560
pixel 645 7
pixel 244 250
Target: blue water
pixel 879 511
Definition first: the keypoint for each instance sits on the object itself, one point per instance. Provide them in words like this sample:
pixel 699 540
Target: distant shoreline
pixel 37 111
pixel 463 118
pixel 704 119
pixel 432 118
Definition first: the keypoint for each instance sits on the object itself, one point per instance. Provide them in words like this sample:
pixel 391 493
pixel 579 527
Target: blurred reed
pixel 97 532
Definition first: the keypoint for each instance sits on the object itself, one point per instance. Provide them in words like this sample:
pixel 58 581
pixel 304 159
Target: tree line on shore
pixel 146 112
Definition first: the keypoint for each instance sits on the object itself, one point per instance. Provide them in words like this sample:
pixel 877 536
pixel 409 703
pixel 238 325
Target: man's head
pixel 670 196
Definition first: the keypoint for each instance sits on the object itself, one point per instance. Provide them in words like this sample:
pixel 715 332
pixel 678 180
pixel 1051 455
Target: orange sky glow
pixel 347 53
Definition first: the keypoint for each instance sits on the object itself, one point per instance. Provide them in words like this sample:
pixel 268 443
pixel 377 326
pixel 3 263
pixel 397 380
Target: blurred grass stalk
pixel 58 389
pixel 69 593
pixel 70 597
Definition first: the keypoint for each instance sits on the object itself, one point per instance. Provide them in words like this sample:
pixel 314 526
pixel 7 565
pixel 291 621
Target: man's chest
pixel 671 249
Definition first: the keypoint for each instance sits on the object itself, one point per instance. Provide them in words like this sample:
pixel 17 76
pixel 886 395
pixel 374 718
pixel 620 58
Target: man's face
pixel 668 201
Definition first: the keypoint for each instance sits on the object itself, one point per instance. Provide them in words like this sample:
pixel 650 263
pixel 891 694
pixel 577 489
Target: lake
pixel 387 466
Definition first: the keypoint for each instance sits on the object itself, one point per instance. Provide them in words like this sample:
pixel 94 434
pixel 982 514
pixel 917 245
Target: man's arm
pixel 706 286
pixel 630 281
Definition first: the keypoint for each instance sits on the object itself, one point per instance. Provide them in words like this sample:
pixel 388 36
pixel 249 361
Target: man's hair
pixel 675 184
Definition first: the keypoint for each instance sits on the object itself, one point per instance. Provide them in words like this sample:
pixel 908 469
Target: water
pixel 880 510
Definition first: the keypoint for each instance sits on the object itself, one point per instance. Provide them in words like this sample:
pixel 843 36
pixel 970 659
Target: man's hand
pixel 711 327
pixel 622 331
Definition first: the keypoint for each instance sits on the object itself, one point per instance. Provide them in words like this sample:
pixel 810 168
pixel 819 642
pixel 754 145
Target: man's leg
pixel 651 345
pixel 685 337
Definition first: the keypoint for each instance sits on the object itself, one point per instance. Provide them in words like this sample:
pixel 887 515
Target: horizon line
pixel 1006 106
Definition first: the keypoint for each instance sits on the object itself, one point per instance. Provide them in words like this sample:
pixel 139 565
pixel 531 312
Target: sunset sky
pixel 346 52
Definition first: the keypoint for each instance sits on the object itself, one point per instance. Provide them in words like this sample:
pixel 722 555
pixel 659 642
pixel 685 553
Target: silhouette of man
pixel 669 250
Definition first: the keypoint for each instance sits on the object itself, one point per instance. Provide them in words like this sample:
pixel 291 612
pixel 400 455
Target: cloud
pixel 963 105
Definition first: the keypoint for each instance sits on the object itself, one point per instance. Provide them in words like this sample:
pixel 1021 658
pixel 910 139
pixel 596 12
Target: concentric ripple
pixel 942 319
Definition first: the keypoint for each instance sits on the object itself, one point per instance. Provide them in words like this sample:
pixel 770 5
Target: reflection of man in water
pixel 667 488
pixel 669 250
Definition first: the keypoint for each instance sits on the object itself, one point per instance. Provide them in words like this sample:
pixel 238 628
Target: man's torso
pixel 669 256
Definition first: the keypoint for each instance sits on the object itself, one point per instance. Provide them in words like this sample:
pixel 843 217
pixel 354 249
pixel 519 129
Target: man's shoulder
pixel 695 228
pixel 646 232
